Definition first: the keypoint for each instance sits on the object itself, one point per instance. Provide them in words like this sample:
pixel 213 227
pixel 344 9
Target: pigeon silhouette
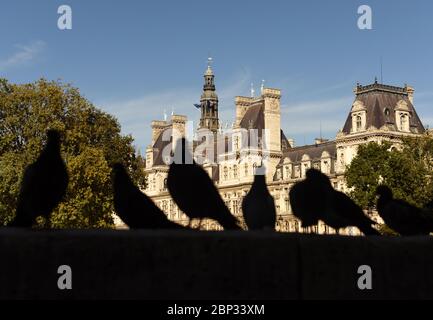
pixel 343 212
pixel 194 192
pixel 340 211
pixel 43 186
pixel 258 206
pixel 401 216
pixel 308 199
pixel 135 208
pixel 316 199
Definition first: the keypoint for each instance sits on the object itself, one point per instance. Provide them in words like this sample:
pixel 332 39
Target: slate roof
pixel 380 102
pixel 314 151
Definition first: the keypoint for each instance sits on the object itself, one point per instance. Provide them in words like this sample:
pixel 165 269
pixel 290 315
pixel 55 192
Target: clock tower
pixel 209 101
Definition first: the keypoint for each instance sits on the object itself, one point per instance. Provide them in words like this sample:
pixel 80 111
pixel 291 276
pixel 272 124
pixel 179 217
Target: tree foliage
pixel 92 142
pixel 406 170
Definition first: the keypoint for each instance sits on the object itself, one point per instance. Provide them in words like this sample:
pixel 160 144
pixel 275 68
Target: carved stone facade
pixel 378 113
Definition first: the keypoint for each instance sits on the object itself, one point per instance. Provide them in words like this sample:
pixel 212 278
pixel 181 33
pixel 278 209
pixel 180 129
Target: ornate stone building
pixel 379 112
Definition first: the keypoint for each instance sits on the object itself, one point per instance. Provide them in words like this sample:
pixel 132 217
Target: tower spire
pixel 209 100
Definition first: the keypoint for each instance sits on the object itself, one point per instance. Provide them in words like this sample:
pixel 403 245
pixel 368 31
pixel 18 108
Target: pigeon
pixel 258 206
pixel 401 216
pixel 194 192
pixel 339 210
pixel 343 212
pixel 307 200
pixel 315 199
pixel 43 186
pixel 134 207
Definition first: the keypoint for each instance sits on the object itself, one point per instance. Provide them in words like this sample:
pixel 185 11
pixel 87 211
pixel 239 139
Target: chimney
pixel 320 140
pixel 242 104
pixel 157 127
pixel 410 91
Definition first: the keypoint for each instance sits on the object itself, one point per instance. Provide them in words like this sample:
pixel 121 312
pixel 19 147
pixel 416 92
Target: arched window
pixel 235 171
pixel 225 173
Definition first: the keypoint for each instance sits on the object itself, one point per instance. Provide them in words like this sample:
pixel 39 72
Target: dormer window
pixel 358 123
pixel 359 112
pixel 402 116
pixel 404 122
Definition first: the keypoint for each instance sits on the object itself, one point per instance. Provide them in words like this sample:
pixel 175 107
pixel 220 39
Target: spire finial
pixel 172 111
pixel 262 87
pixel 165 115
pixel 375 79
pixel 209 66
pixel 252 90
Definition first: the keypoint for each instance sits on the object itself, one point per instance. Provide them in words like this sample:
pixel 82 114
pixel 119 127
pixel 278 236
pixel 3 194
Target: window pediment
pixel 402 106
pixel 358 106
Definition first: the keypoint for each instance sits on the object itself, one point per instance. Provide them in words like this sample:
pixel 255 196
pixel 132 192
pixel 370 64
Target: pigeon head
pixel 119 173
pixel 181 152
pixel 53 140
pixel 53 135
pixel 118 168
pixel 384 192
pixel 317 176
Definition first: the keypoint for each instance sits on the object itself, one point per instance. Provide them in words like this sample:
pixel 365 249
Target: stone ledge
pixel 211 265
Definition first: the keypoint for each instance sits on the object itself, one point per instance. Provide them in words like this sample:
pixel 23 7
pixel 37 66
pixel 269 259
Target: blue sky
pixel 136 58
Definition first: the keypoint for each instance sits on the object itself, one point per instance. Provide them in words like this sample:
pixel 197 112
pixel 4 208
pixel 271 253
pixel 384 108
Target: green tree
pixel 407 171
pixel 92 142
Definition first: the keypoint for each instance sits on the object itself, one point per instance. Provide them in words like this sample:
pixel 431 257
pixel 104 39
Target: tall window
pixel 225 173
pixel 235 171
pixel 403 122
pixel 236 142
pixel 358 123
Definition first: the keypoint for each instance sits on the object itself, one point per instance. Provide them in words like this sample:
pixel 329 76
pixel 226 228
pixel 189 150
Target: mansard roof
pixel 380 103
pixel 159 147
pixel 314 151
pixel 254 118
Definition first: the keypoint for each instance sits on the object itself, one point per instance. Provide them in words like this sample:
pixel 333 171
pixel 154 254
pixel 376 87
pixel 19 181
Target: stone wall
pixel 211 265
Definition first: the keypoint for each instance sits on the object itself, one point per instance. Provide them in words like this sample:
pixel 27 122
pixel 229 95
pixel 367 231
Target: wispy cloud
pixel 24 54
pixel 298 119
pixel 135 115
